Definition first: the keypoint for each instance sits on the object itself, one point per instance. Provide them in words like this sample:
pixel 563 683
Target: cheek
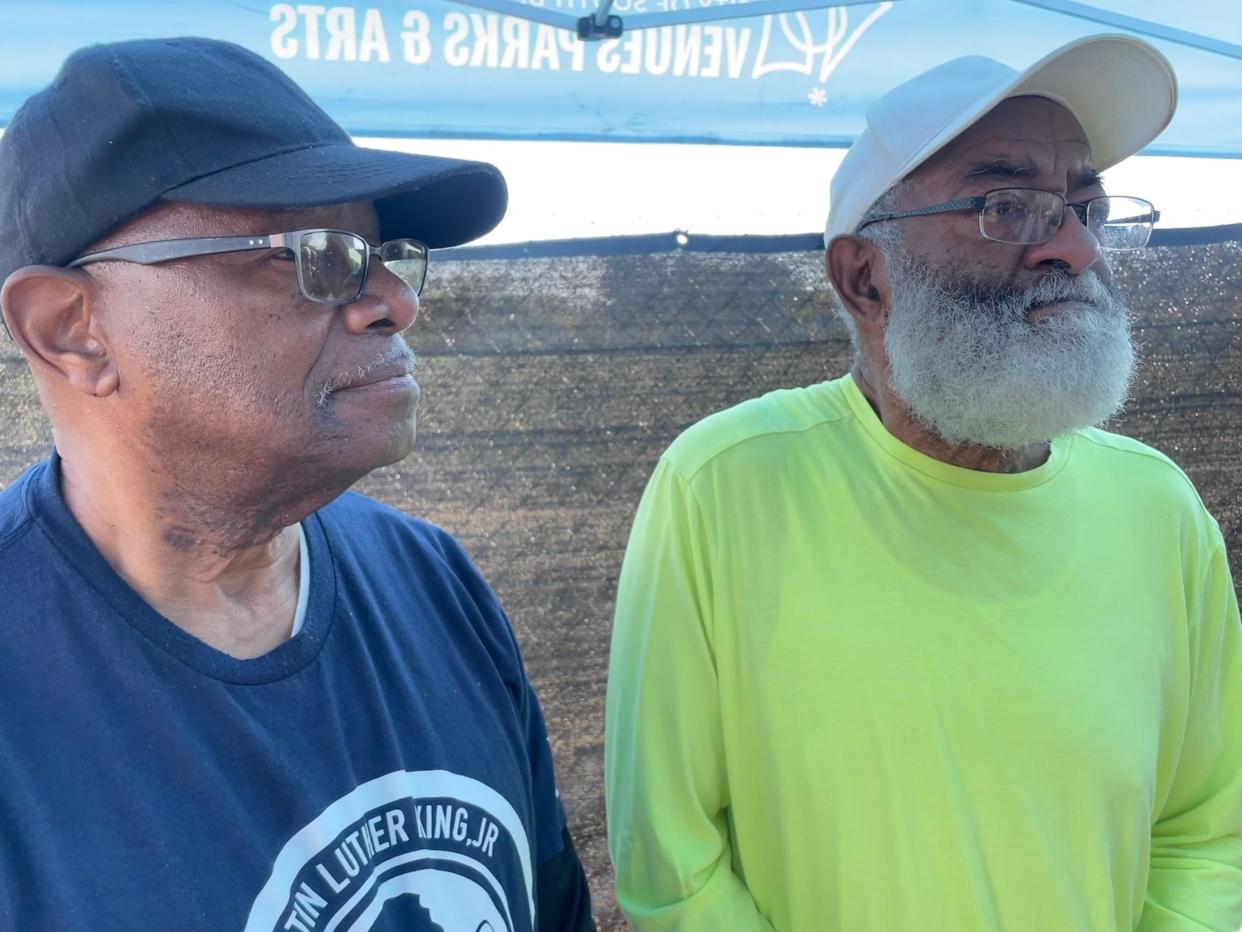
pixel 962 252
pixel 214 357
pixel 953 238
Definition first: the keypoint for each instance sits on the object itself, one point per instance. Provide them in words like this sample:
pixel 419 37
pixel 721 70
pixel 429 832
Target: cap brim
pixel 440 201
pixel 1121 90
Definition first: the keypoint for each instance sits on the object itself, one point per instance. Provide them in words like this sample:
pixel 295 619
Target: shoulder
pixel 766 428
pixel 376 548
pixel 1135 463
pixel 352 508
pixel 16 515
pixel 1148 480
pixel 33 583
pixel 376 531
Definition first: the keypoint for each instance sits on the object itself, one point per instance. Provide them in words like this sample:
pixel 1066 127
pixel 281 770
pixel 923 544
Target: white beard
pixel 967 363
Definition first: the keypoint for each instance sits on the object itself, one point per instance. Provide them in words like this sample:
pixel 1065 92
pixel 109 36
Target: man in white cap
pixel 921 647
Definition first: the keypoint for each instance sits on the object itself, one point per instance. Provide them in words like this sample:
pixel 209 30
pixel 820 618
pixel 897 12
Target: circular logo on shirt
pixel 431 851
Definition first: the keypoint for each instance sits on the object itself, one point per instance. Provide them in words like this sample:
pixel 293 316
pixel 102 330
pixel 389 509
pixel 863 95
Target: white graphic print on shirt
pixel 429 850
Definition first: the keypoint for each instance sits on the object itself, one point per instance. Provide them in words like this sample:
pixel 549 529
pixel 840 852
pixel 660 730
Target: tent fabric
pixel 551 385
pixel 682 70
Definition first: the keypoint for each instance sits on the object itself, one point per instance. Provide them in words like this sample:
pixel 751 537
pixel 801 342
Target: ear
pixel 855 268
pixel 50 314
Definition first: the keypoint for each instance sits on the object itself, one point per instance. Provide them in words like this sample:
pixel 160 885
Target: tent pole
pixel 1134 24
pixel 532 13
pixel 601 15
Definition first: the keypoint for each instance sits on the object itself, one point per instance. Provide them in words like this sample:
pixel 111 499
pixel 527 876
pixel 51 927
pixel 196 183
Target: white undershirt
pixel 303 582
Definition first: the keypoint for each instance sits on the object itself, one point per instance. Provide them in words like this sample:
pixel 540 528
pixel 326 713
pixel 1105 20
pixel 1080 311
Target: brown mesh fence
pixel 552 385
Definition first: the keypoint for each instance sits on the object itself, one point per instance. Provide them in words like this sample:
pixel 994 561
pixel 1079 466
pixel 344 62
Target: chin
pixel 400 449
pixel 383 447
pixel 341 446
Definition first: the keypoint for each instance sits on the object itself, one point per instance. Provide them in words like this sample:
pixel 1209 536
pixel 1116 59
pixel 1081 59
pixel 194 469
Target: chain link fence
pixel 551 386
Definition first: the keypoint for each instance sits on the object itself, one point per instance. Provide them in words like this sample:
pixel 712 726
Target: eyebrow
pixel 1007 167
pixel 1000 167
pixel 1089 178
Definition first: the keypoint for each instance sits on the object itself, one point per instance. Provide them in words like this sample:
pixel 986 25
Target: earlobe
pixel 50 313
pixel 851 265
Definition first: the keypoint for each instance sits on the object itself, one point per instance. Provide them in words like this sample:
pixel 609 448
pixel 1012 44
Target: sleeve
pixel 562 895
pixel 1195 882
pixel 666 792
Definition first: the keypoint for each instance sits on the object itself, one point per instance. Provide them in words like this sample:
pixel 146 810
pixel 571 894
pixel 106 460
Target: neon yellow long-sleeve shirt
pixel 855 688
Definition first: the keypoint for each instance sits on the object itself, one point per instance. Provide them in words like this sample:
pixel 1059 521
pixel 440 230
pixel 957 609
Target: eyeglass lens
pixel 406 259
pixel 1027 216
pixel 333 264
pixel 1120 222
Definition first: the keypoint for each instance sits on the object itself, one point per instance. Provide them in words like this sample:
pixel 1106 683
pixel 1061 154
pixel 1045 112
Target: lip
pixel 1053 308
pixel 395 389
pixel 393 375
pixel 396 383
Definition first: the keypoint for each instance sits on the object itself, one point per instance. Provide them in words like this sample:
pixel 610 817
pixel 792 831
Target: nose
pixel 387 304
pixel 1074 248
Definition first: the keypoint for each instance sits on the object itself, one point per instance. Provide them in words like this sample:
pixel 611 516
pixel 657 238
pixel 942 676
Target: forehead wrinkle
pixel 1039 160
pixel 1047 164
pixel 1018 126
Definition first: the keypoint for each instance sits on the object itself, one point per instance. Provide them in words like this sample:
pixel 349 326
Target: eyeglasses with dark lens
pixel 1029 216
pixel 331 264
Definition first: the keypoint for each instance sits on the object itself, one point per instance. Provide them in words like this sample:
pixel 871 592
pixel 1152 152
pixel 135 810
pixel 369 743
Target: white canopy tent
pixel 702 81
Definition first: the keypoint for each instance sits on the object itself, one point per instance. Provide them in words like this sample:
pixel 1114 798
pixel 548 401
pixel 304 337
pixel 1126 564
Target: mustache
pixel 1087 288
pixel 398 358
pixel 1016 300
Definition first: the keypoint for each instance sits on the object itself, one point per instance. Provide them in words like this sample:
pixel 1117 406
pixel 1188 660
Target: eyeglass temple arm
pixel 169 249
pixel 965 203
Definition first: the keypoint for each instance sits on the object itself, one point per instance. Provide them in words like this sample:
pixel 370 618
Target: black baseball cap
pixel 129 124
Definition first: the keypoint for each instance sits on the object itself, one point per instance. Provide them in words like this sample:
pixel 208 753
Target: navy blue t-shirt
pixel 387 768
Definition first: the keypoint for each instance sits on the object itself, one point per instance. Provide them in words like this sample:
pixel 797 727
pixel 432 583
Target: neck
pixel 224 573
pixel 899 421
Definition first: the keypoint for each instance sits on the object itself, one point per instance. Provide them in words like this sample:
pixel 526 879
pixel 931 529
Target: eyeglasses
pixel 1028 216
pixel 331 264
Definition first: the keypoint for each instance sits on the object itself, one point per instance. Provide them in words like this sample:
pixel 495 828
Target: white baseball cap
pixel 1121 90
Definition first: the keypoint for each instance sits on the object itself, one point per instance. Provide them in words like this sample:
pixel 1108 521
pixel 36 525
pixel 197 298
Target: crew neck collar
pixel 1058 453
pixel 47 505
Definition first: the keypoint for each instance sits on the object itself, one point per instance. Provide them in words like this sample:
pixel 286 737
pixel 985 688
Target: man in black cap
pixel 234 697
